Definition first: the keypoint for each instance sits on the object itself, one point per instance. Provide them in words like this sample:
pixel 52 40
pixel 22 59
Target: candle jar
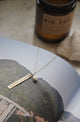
pixel 54 19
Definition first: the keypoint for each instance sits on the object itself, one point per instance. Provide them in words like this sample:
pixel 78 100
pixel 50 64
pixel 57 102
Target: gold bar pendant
pixel 19 81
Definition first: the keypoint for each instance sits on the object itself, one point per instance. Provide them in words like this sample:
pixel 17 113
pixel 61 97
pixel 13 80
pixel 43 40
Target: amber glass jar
pixel 54 19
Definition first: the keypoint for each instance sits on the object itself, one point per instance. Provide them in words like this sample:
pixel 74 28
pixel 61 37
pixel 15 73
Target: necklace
pixel 23 79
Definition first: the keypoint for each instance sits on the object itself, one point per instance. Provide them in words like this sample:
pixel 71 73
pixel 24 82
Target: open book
pixel 51 94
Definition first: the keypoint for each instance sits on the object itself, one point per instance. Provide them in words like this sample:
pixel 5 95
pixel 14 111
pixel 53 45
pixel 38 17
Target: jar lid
pixel 59 9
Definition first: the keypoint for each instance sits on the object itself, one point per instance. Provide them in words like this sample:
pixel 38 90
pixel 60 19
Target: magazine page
pixel 50 85
pixel 61 76
pixel 30 101
pixel 72 111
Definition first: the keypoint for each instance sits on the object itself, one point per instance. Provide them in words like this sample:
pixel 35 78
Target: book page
pixel 72 111
pixel 61 76
pixel 57 82
pixel 36 101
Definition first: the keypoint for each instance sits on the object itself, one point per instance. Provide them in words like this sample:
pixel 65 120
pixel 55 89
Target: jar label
pixel 57 25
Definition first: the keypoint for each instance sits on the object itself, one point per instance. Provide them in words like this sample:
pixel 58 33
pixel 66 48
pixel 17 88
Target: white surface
pixel 74 106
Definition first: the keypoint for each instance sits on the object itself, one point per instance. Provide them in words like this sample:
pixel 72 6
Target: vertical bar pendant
pixel 19 81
